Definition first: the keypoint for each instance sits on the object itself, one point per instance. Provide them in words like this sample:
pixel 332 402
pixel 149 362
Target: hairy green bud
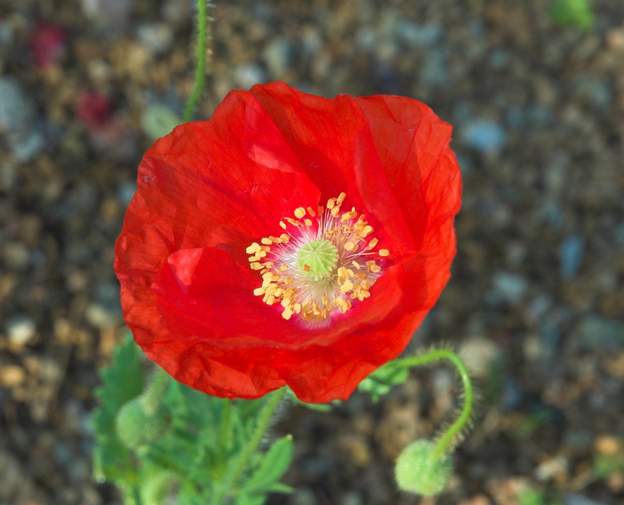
pixel 419 470
pixel 137 426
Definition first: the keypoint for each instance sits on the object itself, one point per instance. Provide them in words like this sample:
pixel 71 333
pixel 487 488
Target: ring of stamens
pixel 324 260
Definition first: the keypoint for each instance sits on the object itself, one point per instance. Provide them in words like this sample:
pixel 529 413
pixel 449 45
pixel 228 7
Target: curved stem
pixel 450 437
pixel 200 60
pixel 264 419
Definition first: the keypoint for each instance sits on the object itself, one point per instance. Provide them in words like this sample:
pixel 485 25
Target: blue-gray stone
pixel 416 35
pixel 509 287
pixel 595 332
pixel 18 121
pixel 577 499
pixel 485 136
pixel 434 69
pixel 571 256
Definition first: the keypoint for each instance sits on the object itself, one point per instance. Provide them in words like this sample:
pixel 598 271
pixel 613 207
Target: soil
pixel 535 304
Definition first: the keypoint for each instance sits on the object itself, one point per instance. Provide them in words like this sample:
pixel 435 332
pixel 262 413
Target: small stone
pixel 552 468
pixel 434 70
pixel 110 15
pixel 608 445
pixel 577 499
pixel 18 121
pixel 99 317
pixel 155 37
pixel 250 74
pixel 277 55
pixel 479 354
pixel 418 36
pixel 509 287
pixel 600 333
pixel 571 256
pixel 484 136
pixel 16 110
pixel 21 331
pixel 11 375
pixel 126 192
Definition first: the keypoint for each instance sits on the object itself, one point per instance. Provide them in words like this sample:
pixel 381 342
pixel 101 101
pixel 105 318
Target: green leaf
pixel 122 381
pixel 382 380
pixel 278 487
pixel 246 499
pixel 273 466
pixel 573 13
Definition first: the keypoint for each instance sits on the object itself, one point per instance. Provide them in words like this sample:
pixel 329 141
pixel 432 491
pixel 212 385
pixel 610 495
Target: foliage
pixel 382 380
pixel 605 465
pixel 531 496
pixel 165 439
pixel 573 13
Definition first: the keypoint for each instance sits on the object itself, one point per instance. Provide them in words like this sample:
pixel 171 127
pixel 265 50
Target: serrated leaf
pixel 273 465
pixel 122 380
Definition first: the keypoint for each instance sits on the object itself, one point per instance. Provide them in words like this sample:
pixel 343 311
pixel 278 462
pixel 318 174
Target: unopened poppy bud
pixel 137 426
pixel 419 470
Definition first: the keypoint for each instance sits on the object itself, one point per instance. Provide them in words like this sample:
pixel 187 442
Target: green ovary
pixel 317 259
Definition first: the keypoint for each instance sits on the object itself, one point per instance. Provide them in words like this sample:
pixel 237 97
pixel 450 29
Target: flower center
pixel 317 259
pixel 322 263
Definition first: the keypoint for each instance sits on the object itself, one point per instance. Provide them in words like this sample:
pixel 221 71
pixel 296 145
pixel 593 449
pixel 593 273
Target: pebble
pixel 16 110
pixel 509 287
pixel 596 91
pixel 111 16
pixel 479 354
pixel 126 192
pixel 11 375
pixel 277 55
pixel 249 74
pixel 21 331
pixel 18 121
pixel 571 256
pixel 418 36
pixel 155 37
pixel 599 333
pixel 434 70
pixel 100 317
pixel 577 499
pixel 484 136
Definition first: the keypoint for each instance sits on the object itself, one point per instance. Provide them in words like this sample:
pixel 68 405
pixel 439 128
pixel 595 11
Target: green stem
pixel 153 395
pixel 200 61
pixel 450 437
pixel 225 428
pixel 264 419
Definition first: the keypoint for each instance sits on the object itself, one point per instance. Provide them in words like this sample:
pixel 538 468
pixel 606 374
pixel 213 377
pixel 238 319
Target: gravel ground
pixel 536 302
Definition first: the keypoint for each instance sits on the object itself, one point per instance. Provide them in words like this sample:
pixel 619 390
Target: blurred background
pixel 535 90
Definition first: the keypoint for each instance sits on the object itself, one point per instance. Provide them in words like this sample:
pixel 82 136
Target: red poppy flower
pixel 289 240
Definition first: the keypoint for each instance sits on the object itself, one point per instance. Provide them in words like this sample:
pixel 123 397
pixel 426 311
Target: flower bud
pixel 418 470
pixel 137 426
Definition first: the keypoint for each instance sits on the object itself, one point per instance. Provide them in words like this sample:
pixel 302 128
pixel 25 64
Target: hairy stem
pixel 452 435
pixel 264 420
pixel 200 60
